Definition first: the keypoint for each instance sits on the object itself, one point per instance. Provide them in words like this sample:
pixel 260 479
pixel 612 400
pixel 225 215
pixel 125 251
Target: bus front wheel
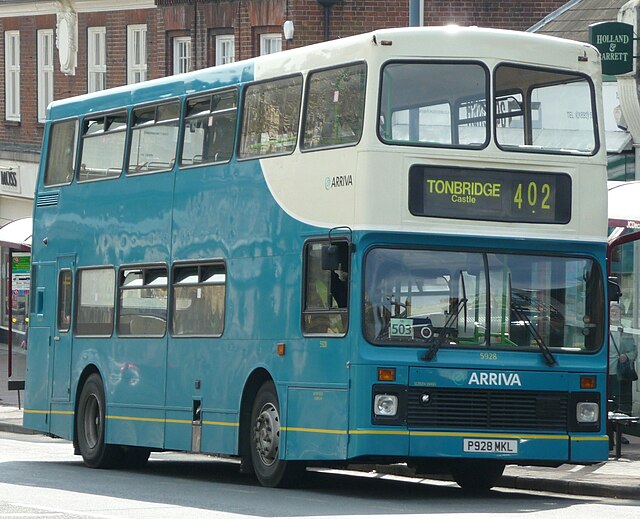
pixel 264 439
pixel 90 426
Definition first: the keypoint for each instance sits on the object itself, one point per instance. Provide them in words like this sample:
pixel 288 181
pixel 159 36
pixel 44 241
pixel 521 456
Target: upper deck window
pixel 103 140
pixel 434 104
pixel 335 107
pixel 154 138
pixel 270 118
pixel 544 110
pixel 61 154
pixel 210 128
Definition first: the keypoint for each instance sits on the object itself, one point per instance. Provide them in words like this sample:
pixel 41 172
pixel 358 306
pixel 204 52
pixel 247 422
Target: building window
pixel 181 54
pixel 96 59
pixel 270 43
pixel 136 53
pixel 12 74
pixel 225 49
pixel 45 72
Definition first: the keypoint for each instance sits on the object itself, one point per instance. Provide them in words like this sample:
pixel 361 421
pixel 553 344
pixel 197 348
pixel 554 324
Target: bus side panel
pixel 139 426
pixel 323 412
pixel 62 420
pixel 36 415
pixel 220 430
pixel 135 388
pixel 589 449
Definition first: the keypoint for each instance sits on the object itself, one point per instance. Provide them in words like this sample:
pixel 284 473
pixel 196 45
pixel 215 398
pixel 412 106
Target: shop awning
pixel 17 234
pixel 617 142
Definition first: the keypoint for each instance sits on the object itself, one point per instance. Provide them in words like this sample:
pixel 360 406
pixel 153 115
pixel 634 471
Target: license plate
pixel 495 446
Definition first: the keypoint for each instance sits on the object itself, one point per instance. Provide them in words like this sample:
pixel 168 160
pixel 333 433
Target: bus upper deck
pixel 472 100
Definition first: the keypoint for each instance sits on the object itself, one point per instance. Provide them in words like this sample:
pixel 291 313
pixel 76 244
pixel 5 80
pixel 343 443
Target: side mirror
pixel 615 293
pixel 330 257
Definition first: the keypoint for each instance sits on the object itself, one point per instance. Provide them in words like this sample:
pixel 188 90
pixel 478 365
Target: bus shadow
pixel 217 486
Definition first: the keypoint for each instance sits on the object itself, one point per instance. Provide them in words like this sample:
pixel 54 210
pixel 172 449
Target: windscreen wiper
pixel 548 356
pixel 431 352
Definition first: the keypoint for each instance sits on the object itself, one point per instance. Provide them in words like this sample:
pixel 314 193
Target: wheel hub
pixel 266 434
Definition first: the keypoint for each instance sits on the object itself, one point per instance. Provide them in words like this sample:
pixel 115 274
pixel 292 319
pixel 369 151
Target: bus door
pixel 63 333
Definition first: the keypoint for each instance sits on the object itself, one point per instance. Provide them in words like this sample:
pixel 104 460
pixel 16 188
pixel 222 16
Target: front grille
pixel 487 409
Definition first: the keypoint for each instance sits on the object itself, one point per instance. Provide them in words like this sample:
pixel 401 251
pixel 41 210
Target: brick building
pixel 55 49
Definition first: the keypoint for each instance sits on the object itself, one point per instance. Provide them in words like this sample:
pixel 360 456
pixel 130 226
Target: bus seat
pixel 147 325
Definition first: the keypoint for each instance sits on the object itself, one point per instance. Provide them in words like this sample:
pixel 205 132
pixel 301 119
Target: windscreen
pixel 470 299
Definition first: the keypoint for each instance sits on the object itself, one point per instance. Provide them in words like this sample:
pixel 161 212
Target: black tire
pixel 264 441
pixel 90 427
pixel 133 457
pixel 476 476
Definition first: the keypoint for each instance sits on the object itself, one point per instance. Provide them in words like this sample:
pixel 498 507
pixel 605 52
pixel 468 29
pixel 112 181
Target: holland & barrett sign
pixel 614 40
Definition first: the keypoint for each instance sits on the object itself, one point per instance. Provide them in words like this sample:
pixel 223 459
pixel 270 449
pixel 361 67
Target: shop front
pixel 15 281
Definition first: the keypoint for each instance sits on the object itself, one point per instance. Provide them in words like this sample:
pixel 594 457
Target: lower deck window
pixel 94 314
pixel 198 300
pixel 326 288
pixel 142 305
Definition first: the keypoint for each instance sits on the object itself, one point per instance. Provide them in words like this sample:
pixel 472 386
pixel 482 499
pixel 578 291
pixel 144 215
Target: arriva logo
pixel 494 379
pixel 338 181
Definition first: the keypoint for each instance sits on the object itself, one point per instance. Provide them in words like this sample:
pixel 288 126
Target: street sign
pixel 614 40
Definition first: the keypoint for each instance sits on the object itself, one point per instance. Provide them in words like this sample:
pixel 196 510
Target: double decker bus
pixel 386 248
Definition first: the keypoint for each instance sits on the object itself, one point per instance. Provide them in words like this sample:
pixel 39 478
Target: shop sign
pixel 614 40
pixel 10 179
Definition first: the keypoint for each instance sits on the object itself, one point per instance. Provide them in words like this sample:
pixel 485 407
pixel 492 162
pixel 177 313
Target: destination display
pixel 490 194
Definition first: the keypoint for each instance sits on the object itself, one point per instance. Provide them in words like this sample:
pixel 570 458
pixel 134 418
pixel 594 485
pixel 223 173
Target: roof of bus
pixel 438 42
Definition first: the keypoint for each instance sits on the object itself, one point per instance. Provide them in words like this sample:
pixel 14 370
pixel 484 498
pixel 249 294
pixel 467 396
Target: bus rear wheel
pixel 476 476
pixel 264 438
pixel 90 426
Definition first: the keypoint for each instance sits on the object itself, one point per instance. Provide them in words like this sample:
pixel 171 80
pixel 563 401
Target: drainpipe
pixel 327 5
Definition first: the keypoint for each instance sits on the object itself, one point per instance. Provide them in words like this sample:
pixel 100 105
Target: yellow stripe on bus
pixel 370 432
pixel 311 430
pixel 224 424
pixel 38 411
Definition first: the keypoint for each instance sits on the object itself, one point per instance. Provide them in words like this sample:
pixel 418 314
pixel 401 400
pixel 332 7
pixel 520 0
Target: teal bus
pixel 388 248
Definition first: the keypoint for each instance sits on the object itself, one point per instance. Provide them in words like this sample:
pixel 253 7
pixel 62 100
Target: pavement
pixel 615 478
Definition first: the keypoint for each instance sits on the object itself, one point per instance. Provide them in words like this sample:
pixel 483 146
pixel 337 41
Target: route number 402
pixel 533 196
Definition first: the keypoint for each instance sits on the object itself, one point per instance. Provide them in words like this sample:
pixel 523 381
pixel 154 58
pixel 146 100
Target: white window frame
pixel 270 43
pixel 136 53
pixel 225 49
pixel 96 59
pixel 12 75
pixel 181 54
pixel 45 72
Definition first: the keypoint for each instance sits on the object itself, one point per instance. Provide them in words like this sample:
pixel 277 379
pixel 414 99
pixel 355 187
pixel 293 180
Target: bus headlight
pixel 587 412
pixel 385 405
